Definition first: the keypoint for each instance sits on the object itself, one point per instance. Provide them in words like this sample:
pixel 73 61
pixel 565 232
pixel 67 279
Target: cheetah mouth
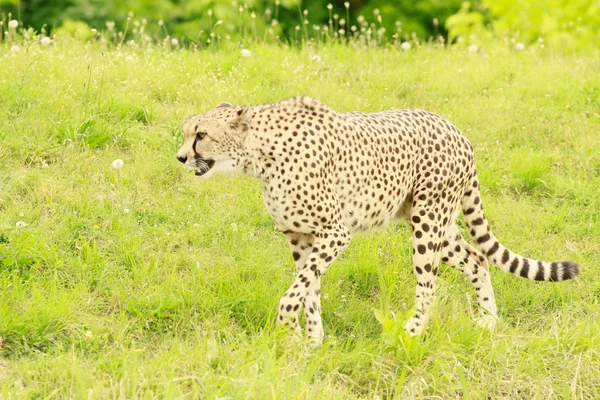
pixel 202 166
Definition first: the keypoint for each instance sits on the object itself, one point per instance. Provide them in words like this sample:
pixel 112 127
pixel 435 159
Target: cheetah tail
pixel 496 253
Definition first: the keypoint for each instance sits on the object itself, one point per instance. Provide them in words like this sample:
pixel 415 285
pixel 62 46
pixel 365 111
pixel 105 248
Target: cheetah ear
pixel 242 119
pixel 224 105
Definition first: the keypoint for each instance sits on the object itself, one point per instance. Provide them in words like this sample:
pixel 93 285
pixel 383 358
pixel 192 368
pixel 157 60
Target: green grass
pixel 149 283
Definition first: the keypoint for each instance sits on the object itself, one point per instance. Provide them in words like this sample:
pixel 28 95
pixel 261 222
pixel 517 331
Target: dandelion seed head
pixel 117 164
pixel 20 224
pixel 406 46
pixel 246 53
pixel 347 4
pixel 13 24
pixel 45 40
pixel 519 46
pixel 473 48
pixel 110 25
pixel 15 49
pixel 329 6
pixel 174 42
pixel 127 59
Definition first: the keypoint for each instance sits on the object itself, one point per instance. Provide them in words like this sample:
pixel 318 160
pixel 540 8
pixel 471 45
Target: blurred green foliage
pixel 566 23
pixel 561 23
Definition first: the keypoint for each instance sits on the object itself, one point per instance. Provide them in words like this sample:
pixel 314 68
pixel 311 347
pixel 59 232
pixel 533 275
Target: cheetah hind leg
pixel 459 254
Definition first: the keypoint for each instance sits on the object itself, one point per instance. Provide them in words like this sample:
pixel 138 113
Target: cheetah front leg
pixel 301 246
pixel 326 248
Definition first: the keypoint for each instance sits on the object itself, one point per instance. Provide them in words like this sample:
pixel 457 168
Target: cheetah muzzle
pixel 326 175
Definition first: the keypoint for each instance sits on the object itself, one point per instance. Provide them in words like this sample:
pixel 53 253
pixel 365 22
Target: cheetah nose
pixel 182 159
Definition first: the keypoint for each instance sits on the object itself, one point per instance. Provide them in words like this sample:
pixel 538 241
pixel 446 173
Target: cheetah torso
pixel 315 163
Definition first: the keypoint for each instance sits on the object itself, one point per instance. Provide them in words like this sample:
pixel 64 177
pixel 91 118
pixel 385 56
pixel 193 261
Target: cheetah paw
pixel 487 322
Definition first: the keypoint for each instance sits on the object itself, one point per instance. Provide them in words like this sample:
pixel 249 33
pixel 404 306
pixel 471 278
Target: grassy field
pixel 145 282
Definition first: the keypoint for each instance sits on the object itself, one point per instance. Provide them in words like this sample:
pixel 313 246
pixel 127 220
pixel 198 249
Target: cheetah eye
pixel 200 135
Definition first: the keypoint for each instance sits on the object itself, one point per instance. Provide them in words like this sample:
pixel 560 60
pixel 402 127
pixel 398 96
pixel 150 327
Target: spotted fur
pixel 326 175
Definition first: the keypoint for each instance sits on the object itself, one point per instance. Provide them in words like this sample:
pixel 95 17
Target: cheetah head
pixel 214 141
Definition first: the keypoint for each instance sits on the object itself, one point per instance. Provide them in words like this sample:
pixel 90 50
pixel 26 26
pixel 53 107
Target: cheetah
pixel 326 175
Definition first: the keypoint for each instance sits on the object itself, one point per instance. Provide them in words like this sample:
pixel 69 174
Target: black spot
pixel 505 256
pixel 418 270
pixel 483 238
pixel 421 249
pixel 288 308
pixel 525 269
pixel 493 249
pixel 514 265
pixel 540 274
pixel 296 255
pixel 427 267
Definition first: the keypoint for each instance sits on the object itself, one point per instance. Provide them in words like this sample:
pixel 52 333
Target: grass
pixel 148 283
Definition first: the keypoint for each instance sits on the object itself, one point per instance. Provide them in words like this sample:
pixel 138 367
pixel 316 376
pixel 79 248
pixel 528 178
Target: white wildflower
pixel 126 210
pixel 405 46
pixel 519 46
pixel 46 41
pixel 117 164
pixel 15 49
pixel 347 4
pixel 315 58
pixel 174 42
pixel 20 224
pixel 473 48
pixel 110 25
pixel 13 24
pixel 246 53
pixel 329 6
pixel 209 12
pixel 128 59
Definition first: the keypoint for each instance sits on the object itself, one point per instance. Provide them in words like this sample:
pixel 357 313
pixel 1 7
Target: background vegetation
pixel 565 23
pixel 144 282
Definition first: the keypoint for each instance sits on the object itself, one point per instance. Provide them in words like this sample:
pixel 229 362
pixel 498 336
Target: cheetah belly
pixel 369 207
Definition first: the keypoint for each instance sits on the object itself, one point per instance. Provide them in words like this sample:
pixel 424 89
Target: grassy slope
pixel 151 283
